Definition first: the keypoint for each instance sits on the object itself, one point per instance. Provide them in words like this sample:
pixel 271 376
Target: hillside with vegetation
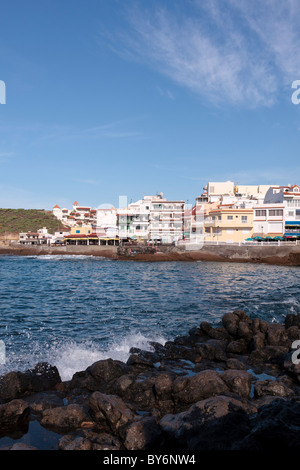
pixel 24 220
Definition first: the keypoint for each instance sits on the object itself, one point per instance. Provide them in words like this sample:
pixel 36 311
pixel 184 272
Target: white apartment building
pixel 152 218
pixel 251 192
pixel 289 196
pixel 214 190
pixel 42 237
pixel 268 220
pixel 106 224
pixel 133 221
pixel 166 222
pixel 78 215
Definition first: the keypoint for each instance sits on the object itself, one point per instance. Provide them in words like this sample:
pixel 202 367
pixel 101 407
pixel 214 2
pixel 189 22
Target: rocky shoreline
pixel 227 387
pixel 272 255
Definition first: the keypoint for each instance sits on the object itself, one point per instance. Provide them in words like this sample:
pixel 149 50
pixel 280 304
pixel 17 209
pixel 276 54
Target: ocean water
pixel 74 310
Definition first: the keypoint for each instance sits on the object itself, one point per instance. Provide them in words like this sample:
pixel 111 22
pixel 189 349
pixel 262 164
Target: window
pixel 275 213
pixel 219 217
pixel 293 203
pixel 229 217
pixel 244 219
pixel 260 213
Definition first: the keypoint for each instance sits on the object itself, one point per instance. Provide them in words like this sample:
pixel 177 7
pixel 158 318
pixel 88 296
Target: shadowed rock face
pixel 234 386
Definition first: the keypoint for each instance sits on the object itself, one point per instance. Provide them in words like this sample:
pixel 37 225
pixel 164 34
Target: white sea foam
pixel 62 257
pixel 70 357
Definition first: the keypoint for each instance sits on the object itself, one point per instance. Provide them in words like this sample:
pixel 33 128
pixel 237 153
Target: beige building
pixel 228 224
pixel 256 192
pixel 214 190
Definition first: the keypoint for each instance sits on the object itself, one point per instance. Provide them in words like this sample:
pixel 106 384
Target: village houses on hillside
pixel 225 212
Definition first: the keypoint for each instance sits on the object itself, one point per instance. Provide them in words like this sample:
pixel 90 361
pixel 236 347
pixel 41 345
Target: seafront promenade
pixel 288 254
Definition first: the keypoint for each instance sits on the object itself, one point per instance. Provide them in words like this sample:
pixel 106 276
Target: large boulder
pixel 14 416
pixel 231 322
pixel 238 381
pixel 38 402
pixel 100 376
pixel 18 384
pixel 188 390
pixel 87 439
pixel 137 389
pixel 65 418
pixel 275 427
pixel 271 387
pixel 111 413
pixel 143 434
pixel 212 424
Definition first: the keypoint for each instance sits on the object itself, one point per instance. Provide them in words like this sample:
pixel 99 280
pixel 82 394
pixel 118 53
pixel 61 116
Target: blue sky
pixel 112 97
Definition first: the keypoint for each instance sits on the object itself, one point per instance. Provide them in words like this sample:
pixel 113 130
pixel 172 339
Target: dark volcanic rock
pixel 271 387
pixel 38 402
pixel 292 320
pixel 14 416
pixel 111 413
pixel 238 346
pixel 231 322
pixel 235 386
pixel 211 424
pixel 89 440
pixel 238 381
pixel 100 376
pixel 65 418
pixel 275 427
pixel 213 350
pixel 17 384
pixel 214 333
pixel 143 434
pixel 188 390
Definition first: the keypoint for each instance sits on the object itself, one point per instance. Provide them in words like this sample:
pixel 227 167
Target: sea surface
pixel 74 310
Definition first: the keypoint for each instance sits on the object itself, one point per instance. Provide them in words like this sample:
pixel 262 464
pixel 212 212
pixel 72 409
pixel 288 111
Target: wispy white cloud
pixel 87 181
pixel 227 51
pixel 39 133
pixel 166 93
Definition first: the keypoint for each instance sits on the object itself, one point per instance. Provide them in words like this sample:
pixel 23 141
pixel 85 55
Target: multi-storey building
pixel 152 218
pixel 166 220
pixel 106 225
pixel 78 215
pixel 268 220
pixel 228 224
pixel 289 196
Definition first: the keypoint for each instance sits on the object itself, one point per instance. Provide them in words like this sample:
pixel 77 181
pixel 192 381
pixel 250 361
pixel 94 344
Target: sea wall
pixel 280 255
